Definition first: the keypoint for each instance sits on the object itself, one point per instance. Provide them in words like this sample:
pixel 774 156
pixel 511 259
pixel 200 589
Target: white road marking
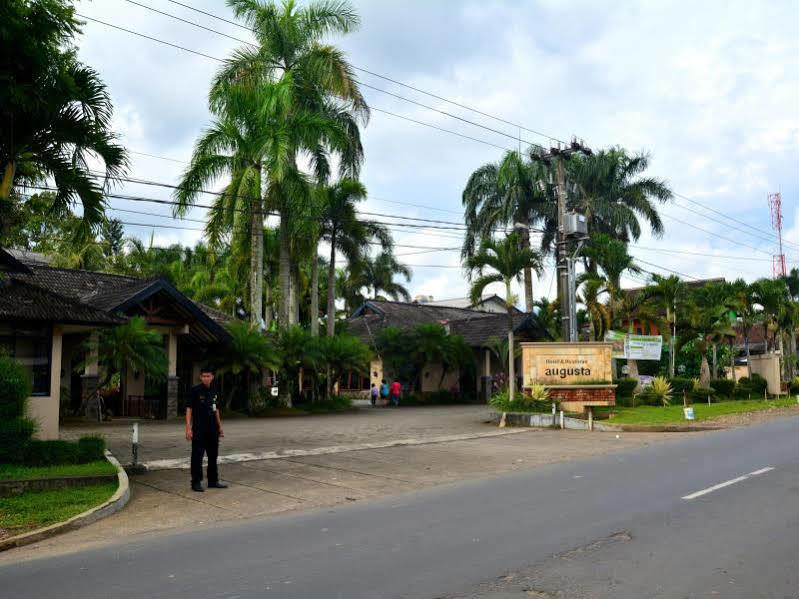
pixel 727 483
pixel 761 471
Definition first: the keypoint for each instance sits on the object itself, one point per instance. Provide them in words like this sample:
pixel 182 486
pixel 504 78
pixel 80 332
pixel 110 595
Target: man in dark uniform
pixel 203 429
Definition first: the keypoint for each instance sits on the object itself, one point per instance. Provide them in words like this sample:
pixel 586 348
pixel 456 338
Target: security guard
pixel 203 429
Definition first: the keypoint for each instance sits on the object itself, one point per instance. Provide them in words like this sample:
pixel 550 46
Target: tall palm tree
pixel 614 195
pixel 55 112
pixel 501 261
pixel 505 194
pixel 346 233
pixel 290 48
pixel 248 352
pixel 612 256
pixel 668 293
pixel 379 272
pixel 771 295
pixel 253 137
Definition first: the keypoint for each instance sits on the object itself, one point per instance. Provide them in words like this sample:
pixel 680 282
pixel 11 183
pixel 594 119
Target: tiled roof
pixel 22 301
pixel 82 295
pixel 475 326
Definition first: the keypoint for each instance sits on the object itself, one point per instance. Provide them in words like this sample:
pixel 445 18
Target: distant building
pixel 47 314
pixel 477 327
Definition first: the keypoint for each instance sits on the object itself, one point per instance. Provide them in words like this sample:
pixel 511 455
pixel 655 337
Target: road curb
pixel 117 501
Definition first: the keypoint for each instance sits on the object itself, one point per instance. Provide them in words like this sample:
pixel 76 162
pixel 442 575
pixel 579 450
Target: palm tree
pixel 55 112
pixel 133 345
pixel 345 233
pixel 771 295
pixel 597 311
pixel 705 322
pixel 612 257
pixel 547 313
pixel 743 301
pixel 502 195
pixel 324 89
pixel 379 272
pixel 340 354
pixel 668 293
pixel 248 351
pixel 506 261
pixel 613 195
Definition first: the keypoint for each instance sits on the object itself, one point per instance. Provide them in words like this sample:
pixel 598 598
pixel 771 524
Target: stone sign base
pixel 576 398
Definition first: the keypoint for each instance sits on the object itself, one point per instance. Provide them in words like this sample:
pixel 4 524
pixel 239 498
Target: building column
pixel 172 379
pixel 90 380
pixel 486 379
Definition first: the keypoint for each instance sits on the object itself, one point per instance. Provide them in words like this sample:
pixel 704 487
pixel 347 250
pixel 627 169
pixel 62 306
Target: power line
pixel 728 217
pixel 649 249
pixel 667 269
pixel 733 241
pixel 374 74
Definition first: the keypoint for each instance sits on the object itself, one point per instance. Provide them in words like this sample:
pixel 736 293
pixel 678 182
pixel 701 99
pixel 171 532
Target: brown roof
pixel 20 300
pixel 475 326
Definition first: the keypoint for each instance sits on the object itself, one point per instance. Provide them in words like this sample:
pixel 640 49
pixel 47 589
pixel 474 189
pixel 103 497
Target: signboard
pixel 635 347
pixel 565 363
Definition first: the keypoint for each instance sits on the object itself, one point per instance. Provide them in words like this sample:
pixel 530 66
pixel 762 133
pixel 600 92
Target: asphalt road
pixel 613 526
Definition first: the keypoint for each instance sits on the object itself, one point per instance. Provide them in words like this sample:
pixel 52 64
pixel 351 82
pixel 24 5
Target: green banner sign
pixel 635 347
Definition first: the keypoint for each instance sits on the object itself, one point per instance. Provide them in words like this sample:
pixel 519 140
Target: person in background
pixel 384 390
pixel 396 391
pixel 373 394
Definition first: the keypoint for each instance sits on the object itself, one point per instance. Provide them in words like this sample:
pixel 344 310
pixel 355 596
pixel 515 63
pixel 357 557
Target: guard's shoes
pixel 198 487
pixel 217 485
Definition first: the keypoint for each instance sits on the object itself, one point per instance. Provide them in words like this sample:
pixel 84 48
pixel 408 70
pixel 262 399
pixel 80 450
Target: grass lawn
pixel 11 471
pixel 651 415
pixel 36 509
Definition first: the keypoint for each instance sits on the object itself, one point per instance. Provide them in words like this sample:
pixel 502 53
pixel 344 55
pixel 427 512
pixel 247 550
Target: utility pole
pixel 562 252
pixel 557 157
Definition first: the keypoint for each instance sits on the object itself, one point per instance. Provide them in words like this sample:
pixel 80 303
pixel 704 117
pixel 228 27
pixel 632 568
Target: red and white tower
pixel 778 260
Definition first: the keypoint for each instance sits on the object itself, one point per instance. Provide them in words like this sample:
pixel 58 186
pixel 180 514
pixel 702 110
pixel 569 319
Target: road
pixel 616 526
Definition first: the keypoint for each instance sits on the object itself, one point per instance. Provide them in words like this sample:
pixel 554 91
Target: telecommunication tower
pixel 778 260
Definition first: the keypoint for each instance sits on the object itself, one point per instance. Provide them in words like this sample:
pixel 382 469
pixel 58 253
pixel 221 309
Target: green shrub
pixel 758 384
pixel 680 384
pixel 793 386
pixel 625 387
pixel 91 449
pixel 15 388
pixel 521 403
pixel 647 397
pixel 50 453
pixel 725 387
pixel 700 394
pixel 15 434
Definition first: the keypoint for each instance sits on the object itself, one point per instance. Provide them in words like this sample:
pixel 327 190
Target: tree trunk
pixel 7 183
pixel 748 356
pixel 268 305
pixel 704 372
pixel 294 295
pixel 632 369
pixel 331 287
pixel 732 360
pixel 257 257
pixel 285 272
pixel 528 275
pixel 315 295
pixel 715 363
pixel 511 364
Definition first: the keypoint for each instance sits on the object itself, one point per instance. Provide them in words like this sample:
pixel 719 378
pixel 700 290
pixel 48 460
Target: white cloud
pixel 709 89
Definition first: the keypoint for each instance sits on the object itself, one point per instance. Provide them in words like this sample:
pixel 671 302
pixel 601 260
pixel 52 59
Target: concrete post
pixel 172 379
pixel 590 418
pixel 90 380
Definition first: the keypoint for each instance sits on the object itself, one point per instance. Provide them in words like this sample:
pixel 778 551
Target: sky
pixel 707 89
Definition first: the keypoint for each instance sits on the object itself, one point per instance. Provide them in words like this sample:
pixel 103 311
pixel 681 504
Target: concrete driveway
pixel 164 440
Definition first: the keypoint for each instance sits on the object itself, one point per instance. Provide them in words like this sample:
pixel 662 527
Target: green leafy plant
pixel 15 428
pixel 661 388
pixel 626 387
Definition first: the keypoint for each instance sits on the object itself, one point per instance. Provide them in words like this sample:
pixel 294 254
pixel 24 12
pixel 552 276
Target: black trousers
pixel 204 444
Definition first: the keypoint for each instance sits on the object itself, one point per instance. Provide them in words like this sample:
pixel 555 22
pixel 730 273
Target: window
pixel 31 346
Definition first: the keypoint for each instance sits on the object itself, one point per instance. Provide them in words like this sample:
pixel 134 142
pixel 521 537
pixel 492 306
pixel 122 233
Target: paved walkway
pixel 164 440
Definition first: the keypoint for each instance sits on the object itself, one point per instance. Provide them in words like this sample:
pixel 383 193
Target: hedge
pixel 625 387
pixel 680 384
pixel 725 387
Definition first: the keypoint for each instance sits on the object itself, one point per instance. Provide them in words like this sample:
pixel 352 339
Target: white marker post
pixel 554 420
pixel 590 418
pixel 135 443
pixel 562 422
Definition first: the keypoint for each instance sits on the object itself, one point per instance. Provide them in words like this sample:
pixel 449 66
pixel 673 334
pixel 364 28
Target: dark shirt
pixel 202 401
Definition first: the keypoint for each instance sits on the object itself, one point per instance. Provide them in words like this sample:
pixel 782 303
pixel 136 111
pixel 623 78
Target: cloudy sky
pixel 707 88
